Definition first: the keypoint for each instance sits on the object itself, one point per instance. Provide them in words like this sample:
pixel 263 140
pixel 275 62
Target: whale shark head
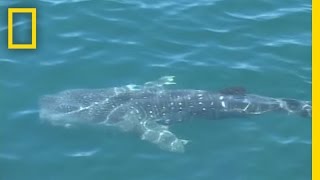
pixel 71 106
pixel 58 109
pixel 80 105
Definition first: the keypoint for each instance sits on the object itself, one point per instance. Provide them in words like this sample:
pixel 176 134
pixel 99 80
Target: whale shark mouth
pixel 54 108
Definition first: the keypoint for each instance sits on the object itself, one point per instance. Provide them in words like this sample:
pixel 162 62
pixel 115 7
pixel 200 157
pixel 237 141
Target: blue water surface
pixel 263 45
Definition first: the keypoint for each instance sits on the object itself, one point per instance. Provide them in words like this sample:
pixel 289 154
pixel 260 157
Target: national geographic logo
pixel 33 44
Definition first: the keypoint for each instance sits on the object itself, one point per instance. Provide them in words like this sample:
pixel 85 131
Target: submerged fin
pixel 233 91
pixel 129 120
pixel 161 136
pixel 158 84
pixel 303 108
pixel 151 85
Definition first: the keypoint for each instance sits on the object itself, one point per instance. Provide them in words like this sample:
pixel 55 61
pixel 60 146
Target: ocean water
pixel 262 45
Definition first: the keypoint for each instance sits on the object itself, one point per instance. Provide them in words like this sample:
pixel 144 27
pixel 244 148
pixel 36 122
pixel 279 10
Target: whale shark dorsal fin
pixel 236 90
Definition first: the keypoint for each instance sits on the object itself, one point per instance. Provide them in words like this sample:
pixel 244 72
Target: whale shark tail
pixel 303 108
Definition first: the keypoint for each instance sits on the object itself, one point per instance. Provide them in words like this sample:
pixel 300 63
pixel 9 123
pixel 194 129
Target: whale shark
pixel 148 110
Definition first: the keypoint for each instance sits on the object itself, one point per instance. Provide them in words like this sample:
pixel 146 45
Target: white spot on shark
pixel 223 104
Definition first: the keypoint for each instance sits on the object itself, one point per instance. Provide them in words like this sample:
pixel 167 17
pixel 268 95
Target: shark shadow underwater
pixel 149 109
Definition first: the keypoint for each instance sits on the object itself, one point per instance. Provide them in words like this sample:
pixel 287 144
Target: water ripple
pixel 83 153
pixel 22 113
pixel 288 140
pixel 60 17
pixel 71 50
pixel 58 2
pixel 246 66
pixel 8 61
pixel 52 62
pixel 275 14
pixel 7 156
pixel 71 34
pixel 10 84
pixel 21 23
pixel 216 30
pixel 8 3
pixel 206 43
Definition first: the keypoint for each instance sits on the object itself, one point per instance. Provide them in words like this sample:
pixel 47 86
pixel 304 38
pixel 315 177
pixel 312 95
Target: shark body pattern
pixel 149 109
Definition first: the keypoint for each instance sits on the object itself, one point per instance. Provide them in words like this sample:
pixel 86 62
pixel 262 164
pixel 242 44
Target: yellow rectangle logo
pixel 33 44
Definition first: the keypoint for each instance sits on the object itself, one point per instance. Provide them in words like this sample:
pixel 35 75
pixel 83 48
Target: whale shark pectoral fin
pixel 148 129
pixel 185 141
pixel 233 91
pixel 165 80
pixel 126 125
pixel 126 122
pixel 161 136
